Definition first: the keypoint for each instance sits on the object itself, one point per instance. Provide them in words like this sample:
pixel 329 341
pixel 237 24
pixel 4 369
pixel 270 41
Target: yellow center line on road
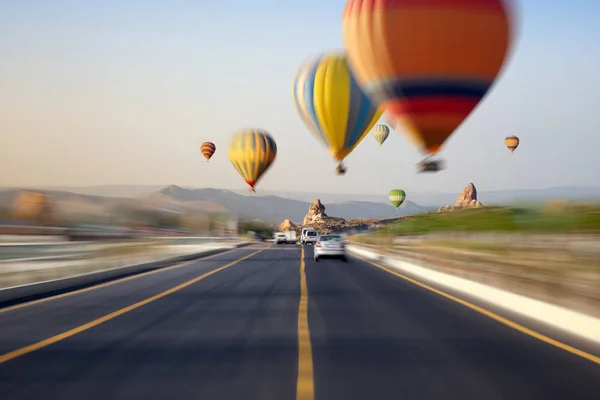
pixel 305 384
pixel 114 282
pixel 491 315
pixel 46 342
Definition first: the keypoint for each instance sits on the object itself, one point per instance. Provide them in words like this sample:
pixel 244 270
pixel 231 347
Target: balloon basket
pixel 430 166
pixel 251 190
pixel 340 170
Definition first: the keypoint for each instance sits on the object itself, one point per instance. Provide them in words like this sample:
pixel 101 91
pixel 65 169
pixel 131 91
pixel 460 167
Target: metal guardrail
pixel 28 292
pixel 39 250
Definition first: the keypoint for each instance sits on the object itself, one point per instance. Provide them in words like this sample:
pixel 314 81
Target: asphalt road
pixel 220 329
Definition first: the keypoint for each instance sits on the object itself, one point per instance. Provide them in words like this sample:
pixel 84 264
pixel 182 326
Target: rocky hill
pixel 317 218
pixel 316 213
pixel 287 225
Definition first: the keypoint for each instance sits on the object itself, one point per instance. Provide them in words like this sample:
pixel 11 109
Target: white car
pixel 330 245
pixel 310 236
pixel 280 238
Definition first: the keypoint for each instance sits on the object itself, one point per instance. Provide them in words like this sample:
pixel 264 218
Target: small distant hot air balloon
pixel 208 149
pixel 397 197
pixel 252 151
pixel 511 142
pixel 381 133
pixel 428 63
pixel 333 105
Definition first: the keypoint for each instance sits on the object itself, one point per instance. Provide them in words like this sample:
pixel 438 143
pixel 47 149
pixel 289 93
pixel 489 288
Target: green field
pixel 552 218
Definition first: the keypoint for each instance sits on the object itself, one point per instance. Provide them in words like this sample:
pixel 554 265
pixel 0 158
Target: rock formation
pixel 34 206
pixel 319 220
pixel 287 225
pixel 466 199
pixel 316 213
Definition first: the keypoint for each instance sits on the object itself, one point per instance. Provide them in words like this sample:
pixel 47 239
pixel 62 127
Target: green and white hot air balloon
pixel 397 197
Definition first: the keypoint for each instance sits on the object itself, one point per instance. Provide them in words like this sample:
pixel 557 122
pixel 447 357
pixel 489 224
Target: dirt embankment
pixel 558 269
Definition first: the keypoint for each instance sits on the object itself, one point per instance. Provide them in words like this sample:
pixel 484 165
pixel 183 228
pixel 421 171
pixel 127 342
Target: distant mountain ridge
pixel 277 209
pixel 427 199
pixel 178 199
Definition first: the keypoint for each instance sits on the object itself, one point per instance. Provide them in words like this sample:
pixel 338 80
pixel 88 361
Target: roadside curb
pixel 24 293
pixel 580 324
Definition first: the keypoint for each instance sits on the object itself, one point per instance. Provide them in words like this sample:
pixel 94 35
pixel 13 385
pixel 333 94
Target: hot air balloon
pixel 397 197
pixel 381 133
pixel 511 142
pixel 428 63
pixel 252 151
pixel 333 105
pixel 208 149
pixel 391 122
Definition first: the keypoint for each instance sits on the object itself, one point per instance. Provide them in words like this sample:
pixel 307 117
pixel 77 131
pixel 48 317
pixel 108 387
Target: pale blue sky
pixel 124 92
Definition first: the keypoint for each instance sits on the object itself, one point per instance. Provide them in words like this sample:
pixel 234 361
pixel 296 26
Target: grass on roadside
pixel 554 218
pixel 498 248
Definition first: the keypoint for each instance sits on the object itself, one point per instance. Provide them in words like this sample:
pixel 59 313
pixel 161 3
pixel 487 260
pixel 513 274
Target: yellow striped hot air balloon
pixel 511 142
pixel 252 151
pixel 208 149
pixel 429 63
pixel 332 104
pixel 381 133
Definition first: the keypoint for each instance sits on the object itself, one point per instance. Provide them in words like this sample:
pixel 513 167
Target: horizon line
pixel 190 187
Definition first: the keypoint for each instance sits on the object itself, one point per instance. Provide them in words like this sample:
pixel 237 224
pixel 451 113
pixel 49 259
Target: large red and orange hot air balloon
pixel 429 63
pixel 390 121
pixel 208 149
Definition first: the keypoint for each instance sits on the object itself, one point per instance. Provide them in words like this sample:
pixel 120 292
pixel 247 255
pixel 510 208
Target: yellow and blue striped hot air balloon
pixel 252 151
pixel 381 133
pixel 429 63
pixel 333 105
